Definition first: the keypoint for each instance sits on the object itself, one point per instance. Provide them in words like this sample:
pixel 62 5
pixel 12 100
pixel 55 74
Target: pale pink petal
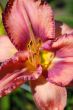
pixel 61 71
pixel 66 29
pixel 48 96
pixel 26 18
pixel 62 28
pixel 7 50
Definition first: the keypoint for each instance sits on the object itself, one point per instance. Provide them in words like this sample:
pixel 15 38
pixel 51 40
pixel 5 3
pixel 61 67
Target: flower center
pixel 37 57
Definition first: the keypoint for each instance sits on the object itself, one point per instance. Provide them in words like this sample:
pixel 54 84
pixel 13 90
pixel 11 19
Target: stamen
pixel 34 59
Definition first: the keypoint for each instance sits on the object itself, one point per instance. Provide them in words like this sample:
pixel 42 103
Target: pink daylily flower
pixel 41 52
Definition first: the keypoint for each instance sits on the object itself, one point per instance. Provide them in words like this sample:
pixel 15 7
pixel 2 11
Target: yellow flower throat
pixel 37 57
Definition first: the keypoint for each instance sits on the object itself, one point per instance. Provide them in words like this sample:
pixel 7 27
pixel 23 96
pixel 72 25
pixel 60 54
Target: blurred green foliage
pixel 3 3
pixel 21 99
pixel 2 31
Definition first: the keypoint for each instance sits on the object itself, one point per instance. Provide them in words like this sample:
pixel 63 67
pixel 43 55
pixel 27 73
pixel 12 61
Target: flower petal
pixel 7 50
pixel 10 82
pixel 9 70
pixel 46 45
pixel 13 80
pixel 61 71
pixel 13 73
pixel 64 45
pixel 15 63
pixel 24 18
pixel 66 29
pixel 48 96
pixel 62 28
